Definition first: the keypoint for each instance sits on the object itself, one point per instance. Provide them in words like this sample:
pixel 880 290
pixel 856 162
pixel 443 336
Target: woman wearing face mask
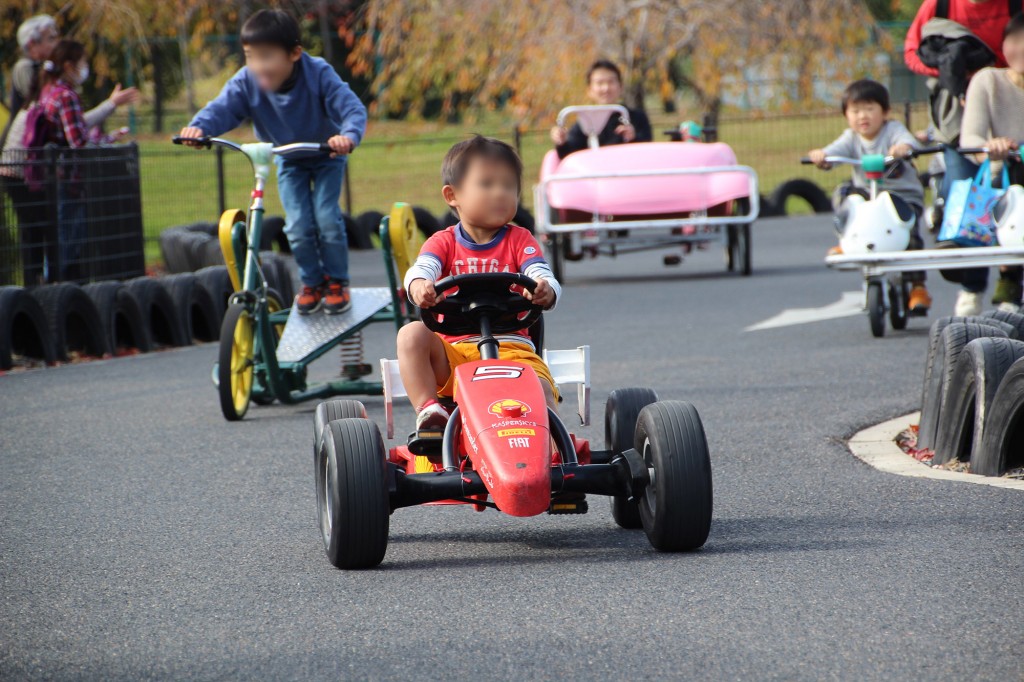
pixel 61 106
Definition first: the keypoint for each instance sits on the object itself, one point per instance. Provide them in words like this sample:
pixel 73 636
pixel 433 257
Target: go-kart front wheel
pixel 676 506
pixel 352 494
pixel 620 415
pixel 235 361
pixel 899 294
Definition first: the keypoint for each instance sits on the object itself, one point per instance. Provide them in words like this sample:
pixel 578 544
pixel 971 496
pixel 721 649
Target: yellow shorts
pixel 461 353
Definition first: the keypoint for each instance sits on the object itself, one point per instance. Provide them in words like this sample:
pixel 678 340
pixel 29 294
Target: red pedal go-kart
pixel 503 448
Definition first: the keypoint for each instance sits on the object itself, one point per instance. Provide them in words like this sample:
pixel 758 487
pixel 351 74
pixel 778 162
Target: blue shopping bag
pixel 968 215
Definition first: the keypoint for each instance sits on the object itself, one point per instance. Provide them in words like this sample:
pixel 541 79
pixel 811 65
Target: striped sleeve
pixel 427 266
pixel 539 269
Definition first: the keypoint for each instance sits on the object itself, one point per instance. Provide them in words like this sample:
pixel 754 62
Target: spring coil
pixel 352 355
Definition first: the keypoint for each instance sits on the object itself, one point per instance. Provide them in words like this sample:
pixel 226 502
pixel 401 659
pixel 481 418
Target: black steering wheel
pixel 486 294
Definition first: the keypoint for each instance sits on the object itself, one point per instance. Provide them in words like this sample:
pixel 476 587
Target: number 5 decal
pixel 497 372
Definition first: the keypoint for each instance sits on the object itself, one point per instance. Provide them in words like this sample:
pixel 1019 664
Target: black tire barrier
pixel 120 315
pixel 426 221
pixel 23 328
pixel 368 223
pixel 767 209
pixel 278 272
pixel 194 247
pixel 217 282
pixel 158 312
pixel 447 219
pixel 358 236
pixel 804 189
pixel 951 343
pixel 194 307
pixel 1016 320
pixel 273 235
pixel 208 253
pixel 72 319
pixel 171 249
pixel 1002 444
pixel 972 386
pixel 207 228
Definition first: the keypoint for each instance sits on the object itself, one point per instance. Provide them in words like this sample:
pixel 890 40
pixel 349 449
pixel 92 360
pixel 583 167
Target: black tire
pixel 447 219
pixel 24 330
pixel 933 343
pixel 195 246
pixel 738 249
pixel 272 236
pixel 979 369
pixel 158 313
pixel 898 297
pixel 1015 320
pixel 620 415
pixel 556 256
pixel 1002 444
pixel 172 249
pixel 951 343
pixel 207 228
pixel 330 410
pixel 196 311
pixel 284 282
pixel 523 218
pixel 426 221
pixel 270 265
pixel 368 223
pixel 358 237
pixel 805 189
pixel 676 507
pixel 876 309
pixel 353 506
pixel 767 209
pixel 209 254
pixel 72 319
pixel 217 282
pixel 235 372
pixel 121 316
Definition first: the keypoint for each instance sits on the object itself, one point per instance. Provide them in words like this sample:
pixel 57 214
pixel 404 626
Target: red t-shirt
pixel 985 20
pixel 513 249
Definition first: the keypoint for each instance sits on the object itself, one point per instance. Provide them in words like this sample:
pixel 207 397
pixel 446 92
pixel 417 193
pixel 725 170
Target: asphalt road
pixel 141 536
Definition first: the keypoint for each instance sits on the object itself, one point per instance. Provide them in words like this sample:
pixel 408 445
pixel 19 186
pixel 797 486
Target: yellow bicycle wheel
pixel 236 362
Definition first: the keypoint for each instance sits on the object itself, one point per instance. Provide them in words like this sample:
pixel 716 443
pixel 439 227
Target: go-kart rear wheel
pixel 235 361
pixel 331 410
pixel 352 494
pixel 738 249
pixel 899 293
pixel 620 415
pixel 556 255
pixel 876 309
pixel 676 506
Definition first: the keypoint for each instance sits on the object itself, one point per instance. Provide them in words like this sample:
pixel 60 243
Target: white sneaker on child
pixel 432 417
pixel 967 303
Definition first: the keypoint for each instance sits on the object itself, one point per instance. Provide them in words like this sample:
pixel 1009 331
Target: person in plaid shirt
pixel 61 107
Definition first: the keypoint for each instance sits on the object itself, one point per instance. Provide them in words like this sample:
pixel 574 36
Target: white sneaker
pixel 432 417
pixel 1009 307
pixel 968 303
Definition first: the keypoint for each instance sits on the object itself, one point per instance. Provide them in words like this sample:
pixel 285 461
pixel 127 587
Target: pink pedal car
pixel 643 196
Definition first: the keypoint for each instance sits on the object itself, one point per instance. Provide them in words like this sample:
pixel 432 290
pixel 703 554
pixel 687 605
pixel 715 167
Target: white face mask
pixel 83 73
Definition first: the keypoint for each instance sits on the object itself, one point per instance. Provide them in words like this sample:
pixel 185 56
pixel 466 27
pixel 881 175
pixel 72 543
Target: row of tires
pixel 58 322
pixel 189 248
pixel 972 403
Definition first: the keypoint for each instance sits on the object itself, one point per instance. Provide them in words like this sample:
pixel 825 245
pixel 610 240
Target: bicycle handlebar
pixel 889 160
pixel 283 149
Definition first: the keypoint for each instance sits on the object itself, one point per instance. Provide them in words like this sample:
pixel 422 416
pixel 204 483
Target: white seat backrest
pixel 393 388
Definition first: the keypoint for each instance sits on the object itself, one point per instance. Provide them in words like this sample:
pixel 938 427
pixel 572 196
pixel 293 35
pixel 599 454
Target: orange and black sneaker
pixel 308 300
pixel 337 299
pixel 919 300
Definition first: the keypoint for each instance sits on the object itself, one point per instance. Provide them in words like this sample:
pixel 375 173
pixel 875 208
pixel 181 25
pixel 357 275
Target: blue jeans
pixel 71 233
pixel 310 190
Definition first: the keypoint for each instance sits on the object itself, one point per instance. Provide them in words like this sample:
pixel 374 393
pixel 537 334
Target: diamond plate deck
pixel 303 334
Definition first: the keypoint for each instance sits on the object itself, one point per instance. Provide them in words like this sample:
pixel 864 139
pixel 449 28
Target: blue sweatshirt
pixel 318 105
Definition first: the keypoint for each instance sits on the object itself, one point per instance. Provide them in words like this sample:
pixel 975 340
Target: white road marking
pixel 876 446
pixel 851 303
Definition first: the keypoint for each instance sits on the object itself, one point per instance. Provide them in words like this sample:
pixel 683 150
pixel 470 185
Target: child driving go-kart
pixel 291 97
pixel 866 107
pixel 482 182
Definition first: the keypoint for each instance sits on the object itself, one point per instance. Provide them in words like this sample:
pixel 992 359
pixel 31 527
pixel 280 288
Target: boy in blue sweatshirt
pixel 292 97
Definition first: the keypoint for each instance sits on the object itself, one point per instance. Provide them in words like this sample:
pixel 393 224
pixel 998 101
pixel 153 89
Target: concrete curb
pixel 876 446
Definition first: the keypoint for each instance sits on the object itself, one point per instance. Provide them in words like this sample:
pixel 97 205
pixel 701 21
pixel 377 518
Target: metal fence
pixel 70 215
